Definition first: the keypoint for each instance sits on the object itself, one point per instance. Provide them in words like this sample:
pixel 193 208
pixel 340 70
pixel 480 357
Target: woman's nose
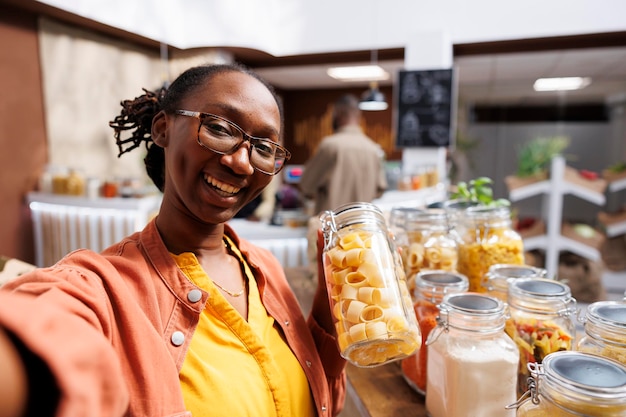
pixel 239 161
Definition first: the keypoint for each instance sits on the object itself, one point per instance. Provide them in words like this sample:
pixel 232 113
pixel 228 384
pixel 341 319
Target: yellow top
pixel 236 367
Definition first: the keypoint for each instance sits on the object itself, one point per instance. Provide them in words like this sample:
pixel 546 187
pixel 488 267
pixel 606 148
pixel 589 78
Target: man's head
pixel 346 111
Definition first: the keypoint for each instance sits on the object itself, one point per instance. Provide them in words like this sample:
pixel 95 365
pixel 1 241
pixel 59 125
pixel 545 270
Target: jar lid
pixel 352 213
pixel 487 212
pixel 517 271
pixel 583 372
pixel 539 288
pixel 435 284
pixel 473 304
pixel 608 313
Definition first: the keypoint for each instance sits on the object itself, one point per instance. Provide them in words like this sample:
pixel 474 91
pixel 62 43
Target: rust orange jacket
pixel 114 327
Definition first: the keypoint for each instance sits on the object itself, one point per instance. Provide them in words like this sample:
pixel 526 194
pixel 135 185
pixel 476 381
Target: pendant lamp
pixel 373 99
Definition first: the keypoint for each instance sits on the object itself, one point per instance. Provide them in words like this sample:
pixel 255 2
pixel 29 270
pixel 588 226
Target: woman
pixel 199 321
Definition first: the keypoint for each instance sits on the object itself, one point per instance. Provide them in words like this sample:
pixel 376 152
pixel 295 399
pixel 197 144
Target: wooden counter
pixel 381 392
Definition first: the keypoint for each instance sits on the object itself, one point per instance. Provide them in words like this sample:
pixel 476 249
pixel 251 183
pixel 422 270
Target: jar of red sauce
pixel 430 289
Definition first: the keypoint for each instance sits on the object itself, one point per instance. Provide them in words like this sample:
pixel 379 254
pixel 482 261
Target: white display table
pixel 63 223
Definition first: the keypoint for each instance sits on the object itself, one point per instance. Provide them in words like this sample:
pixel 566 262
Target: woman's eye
pixel 265 149
pixel 218 129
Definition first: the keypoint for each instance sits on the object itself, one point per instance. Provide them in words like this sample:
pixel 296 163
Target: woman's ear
pixel 159 129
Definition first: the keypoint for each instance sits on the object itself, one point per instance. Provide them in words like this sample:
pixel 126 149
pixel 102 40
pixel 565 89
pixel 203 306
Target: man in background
pixel 346 168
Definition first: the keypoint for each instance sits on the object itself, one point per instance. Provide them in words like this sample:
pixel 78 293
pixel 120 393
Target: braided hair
pixel 137 114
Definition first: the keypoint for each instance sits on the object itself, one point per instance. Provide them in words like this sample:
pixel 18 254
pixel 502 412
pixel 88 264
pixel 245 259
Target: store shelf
pixel 560 237
pixel 614 223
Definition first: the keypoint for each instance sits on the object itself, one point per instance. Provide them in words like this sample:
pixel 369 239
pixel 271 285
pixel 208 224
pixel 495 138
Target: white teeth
pixel 222 186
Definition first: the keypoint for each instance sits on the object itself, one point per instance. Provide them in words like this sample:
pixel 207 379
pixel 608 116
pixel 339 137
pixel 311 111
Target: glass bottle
pixel 499 276
pixel 541 321
pixel 563 386
pixel 425 241
pixel 430 289
pixel 367 287
pixel 605 330
pixel 487 238
pixel 476 362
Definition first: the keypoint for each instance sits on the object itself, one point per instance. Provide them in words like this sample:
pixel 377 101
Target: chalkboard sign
pixel 425 102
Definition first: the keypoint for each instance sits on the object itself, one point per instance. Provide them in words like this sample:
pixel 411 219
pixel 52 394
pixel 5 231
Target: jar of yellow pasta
pixel 499 276
pixel 541 321
pixel 425 241
pixel 605 330
pixel 367 288
pixel 574 384
pixel 487 238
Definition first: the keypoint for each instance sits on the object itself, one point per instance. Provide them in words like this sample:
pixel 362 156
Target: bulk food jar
pixel 475 362
pixel 367 288
pixel 486 239
pixel 499 276
pixel 605 330
pixel 430 289
pixel 424 239
pixel 575 384
pixel 541 321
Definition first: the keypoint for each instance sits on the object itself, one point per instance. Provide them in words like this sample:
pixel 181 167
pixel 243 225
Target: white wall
pixel 292 27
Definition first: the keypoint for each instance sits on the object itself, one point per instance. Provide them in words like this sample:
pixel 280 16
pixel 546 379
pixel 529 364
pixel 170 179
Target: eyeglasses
pixel 224 137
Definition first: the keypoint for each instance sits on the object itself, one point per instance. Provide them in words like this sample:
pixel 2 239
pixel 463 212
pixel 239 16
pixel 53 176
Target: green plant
pixel 478 190
pixel 535 156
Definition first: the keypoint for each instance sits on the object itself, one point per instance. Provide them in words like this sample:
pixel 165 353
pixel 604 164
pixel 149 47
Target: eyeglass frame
pixel 244 137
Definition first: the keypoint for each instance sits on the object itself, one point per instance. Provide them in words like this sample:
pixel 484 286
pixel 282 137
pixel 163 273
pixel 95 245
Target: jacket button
pixel 324 408
pixel 287 323
pixel 308 363
pixel 178 338
pixel 194 296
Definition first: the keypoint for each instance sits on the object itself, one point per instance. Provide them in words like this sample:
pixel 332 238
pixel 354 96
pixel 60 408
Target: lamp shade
pixel 373 100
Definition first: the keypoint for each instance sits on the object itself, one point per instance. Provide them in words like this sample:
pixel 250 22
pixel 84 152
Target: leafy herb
pixel 535 156
pixel 478 190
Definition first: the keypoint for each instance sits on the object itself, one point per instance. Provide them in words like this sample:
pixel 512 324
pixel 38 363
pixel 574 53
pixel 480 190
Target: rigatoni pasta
pixel 369 299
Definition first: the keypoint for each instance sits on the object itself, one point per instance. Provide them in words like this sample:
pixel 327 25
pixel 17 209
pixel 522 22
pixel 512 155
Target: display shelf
pixel 614 223
pixel 563 180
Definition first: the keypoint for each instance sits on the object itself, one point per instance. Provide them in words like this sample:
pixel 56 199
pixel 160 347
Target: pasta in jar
pixel 605 330
pixel 369 297
pixel 487 239
pixel 425 241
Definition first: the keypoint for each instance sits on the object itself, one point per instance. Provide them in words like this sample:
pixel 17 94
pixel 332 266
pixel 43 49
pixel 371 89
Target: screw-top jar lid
pixel 435 284
pixel 587 374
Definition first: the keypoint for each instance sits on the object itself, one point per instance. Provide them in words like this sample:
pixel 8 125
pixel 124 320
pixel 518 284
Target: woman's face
pixel 202 184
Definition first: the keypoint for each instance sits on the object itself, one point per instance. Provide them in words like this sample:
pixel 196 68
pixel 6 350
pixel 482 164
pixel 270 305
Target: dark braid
pixel 137 114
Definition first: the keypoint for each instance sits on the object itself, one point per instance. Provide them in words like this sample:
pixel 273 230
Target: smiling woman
pixel 187 292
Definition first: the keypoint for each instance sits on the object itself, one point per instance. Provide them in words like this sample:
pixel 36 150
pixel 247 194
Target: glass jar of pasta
pixel 541 321
pixel 475 362
pixel 605 330
pixel 486 239
pixel 425 241
pixel 430 289
pixel 499 276
pixel 574 384
pixel 367 288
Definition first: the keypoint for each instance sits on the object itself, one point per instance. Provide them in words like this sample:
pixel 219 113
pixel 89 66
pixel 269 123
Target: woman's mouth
pixel 222 188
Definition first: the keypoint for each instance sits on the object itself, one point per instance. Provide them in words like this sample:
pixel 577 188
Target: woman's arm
pixel 13 384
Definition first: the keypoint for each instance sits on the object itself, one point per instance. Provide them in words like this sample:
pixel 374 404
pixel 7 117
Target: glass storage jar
pixel 605 330
pixel 424 240
pixel 476 362
pixel 430 289
pixel 575 384
pixel 367 288
pixel 487 238
pixel 499 275
pixel 541 321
